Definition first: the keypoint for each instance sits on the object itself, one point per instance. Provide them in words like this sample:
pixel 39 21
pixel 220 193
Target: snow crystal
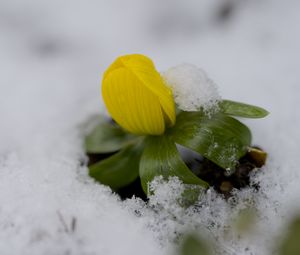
pixel 192 88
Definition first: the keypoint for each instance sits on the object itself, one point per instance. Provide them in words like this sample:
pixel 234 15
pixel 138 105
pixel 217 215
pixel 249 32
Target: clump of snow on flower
pixel 192 88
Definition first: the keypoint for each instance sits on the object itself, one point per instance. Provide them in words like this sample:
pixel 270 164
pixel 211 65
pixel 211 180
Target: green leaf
pixel 190 195
pixel 291 243
pixel 193 245
pixel 219 138
pixel 107 137
pixel 161 157
pixel 120 169
pixel 242 110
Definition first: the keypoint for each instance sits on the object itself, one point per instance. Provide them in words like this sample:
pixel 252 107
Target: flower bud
pixel 136 96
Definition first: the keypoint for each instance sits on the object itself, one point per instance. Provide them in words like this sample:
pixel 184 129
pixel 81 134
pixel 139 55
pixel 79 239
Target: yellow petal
pixel 131 104
pixel 145 71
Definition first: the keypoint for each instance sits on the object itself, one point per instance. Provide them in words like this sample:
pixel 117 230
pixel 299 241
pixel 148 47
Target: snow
pixel 53 54
pixel 192 89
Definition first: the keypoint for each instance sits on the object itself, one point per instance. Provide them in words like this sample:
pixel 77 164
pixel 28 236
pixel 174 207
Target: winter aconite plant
pixel 141 141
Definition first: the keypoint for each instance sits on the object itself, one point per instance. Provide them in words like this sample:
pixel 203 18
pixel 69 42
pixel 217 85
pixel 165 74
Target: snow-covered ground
pixel 52 56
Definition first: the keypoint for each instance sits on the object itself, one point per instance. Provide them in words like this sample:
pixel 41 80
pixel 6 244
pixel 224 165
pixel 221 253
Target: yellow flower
pixel 136 96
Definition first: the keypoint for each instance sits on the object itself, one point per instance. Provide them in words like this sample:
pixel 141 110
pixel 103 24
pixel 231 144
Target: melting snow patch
pixel 192 88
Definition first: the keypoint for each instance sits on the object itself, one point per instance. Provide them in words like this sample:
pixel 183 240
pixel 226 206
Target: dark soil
pixel 217 177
